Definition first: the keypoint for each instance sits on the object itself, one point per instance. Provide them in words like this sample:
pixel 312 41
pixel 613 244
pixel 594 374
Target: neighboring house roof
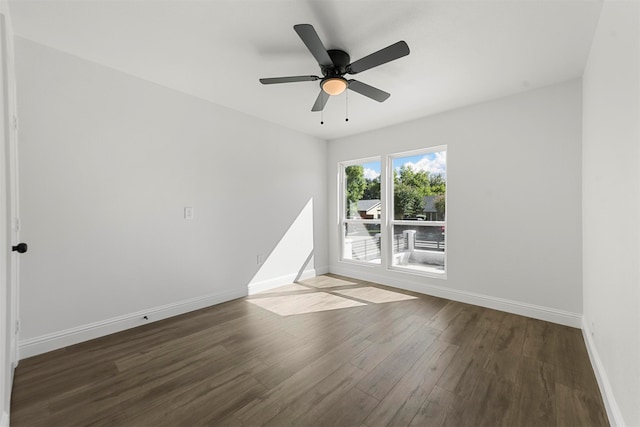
pixel 367 205
pixel 430 204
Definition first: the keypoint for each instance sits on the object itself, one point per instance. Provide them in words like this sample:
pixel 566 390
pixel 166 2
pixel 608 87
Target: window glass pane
pixel 419 186
pixel 362 242
pixel 419 247
pixel 362 191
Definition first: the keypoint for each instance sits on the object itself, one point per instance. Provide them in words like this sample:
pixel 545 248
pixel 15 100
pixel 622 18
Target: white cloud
pixel 436 165
pixel 370 173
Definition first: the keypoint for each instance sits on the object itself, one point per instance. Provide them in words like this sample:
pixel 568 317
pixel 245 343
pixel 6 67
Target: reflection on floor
pixel 322 293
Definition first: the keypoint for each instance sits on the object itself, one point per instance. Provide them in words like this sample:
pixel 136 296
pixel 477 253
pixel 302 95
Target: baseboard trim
pixel 610 404
pixel 515 307
pixel 266 285
pixel 60 339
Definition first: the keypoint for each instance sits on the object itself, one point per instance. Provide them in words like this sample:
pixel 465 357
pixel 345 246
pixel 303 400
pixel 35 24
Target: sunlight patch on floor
pixel 293 287
pixel 326 282
pixel 288 305
pixel 374 295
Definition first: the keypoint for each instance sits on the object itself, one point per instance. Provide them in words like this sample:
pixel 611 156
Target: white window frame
pixel 391 221
pixel 342 209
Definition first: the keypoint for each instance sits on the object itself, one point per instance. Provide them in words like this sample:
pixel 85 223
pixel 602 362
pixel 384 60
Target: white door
pixel 9 217
pixel 11 129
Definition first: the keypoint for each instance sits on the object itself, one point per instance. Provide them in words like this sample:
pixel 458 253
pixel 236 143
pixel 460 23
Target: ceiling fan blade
pixel 368 91
pixel 310 38
pixel 389 53
pixel 321 101
pixel 292 79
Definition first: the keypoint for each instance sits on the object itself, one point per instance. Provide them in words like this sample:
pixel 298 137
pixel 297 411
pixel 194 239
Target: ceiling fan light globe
pixel 334 86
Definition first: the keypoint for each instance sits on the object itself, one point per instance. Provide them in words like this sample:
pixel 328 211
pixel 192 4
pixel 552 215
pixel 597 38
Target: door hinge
pixel 17 326
pixel 15 123
pixel 16 224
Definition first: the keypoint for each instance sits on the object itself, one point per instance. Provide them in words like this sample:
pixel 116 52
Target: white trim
pixel 4 420
pixel 516 307
pixel 360 221
pixel 356 162
pixel 56 340
pixel 610 404
pixel 418 151
pixel 266 285
pixel 418 223
pixel 416 272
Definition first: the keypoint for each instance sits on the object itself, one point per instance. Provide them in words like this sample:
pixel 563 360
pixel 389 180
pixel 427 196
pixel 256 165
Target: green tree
pixel 372 190
pixel 437 185
pixel 415 179
pixel 356 185
pixel 410 188
pixel 440 206
pixel 407 201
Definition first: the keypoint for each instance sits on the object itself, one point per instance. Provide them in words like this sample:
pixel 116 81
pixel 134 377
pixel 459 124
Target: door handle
pixel 20 248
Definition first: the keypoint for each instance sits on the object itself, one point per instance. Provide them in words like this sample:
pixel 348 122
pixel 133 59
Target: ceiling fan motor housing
pixel 340 60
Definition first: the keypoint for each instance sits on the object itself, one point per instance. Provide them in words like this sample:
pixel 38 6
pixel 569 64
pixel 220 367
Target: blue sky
pixel 435 163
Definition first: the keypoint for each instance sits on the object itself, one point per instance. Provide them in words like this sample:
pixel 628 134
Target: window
pixel 361 211
pixel 402 227
pixel 418 223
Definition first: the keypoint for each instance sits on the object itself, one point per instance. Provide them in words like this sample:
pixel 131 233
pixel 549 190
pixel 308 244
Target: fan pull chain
pixel 322 116
pixel 346 113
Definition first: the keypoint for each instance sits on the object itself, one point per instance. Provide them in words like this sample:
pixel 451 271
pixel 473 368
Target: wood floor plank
pixel 535 394
pixel 27 412
pixel 397 358
pixel 350 410
pixel 490 404
pixel 463 326
pixel 386 374
pixel 321 398
pixel 388 337
pixel 434 410
pixel 467 366
pixel 406 398
pixel 269 406
pixel 144 377
pixel 540 342
pixel 503 364
pixel 573 367
pixel 511 334
pixel 443 318
pixel 578 408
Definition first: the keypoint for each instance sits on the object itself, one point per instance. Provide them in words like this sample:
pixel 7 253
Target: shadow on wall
pixel 292 258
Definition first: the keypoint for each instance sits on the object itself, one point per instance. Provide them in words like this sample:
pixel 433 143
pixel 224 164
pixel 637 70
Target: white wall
pixel 513 203
pixel 108 163
pixel 611 208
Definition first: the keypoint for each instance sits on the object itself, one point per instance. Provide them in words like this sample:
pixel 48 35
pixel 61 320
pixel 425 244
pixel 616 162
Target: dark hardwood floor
pixel 325 351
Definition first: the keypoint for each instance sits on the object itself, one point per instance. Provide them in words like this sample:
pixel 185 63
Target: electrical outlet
pixel 188 212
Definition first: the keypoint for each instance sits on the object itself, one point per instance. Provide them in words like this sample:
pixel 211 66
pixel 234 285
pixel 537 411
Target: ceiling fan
pixel 334 64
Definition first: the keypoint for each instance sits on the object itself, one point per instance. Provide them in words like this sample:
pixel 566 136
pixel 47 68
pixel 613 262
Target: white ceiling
pixel 462 52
